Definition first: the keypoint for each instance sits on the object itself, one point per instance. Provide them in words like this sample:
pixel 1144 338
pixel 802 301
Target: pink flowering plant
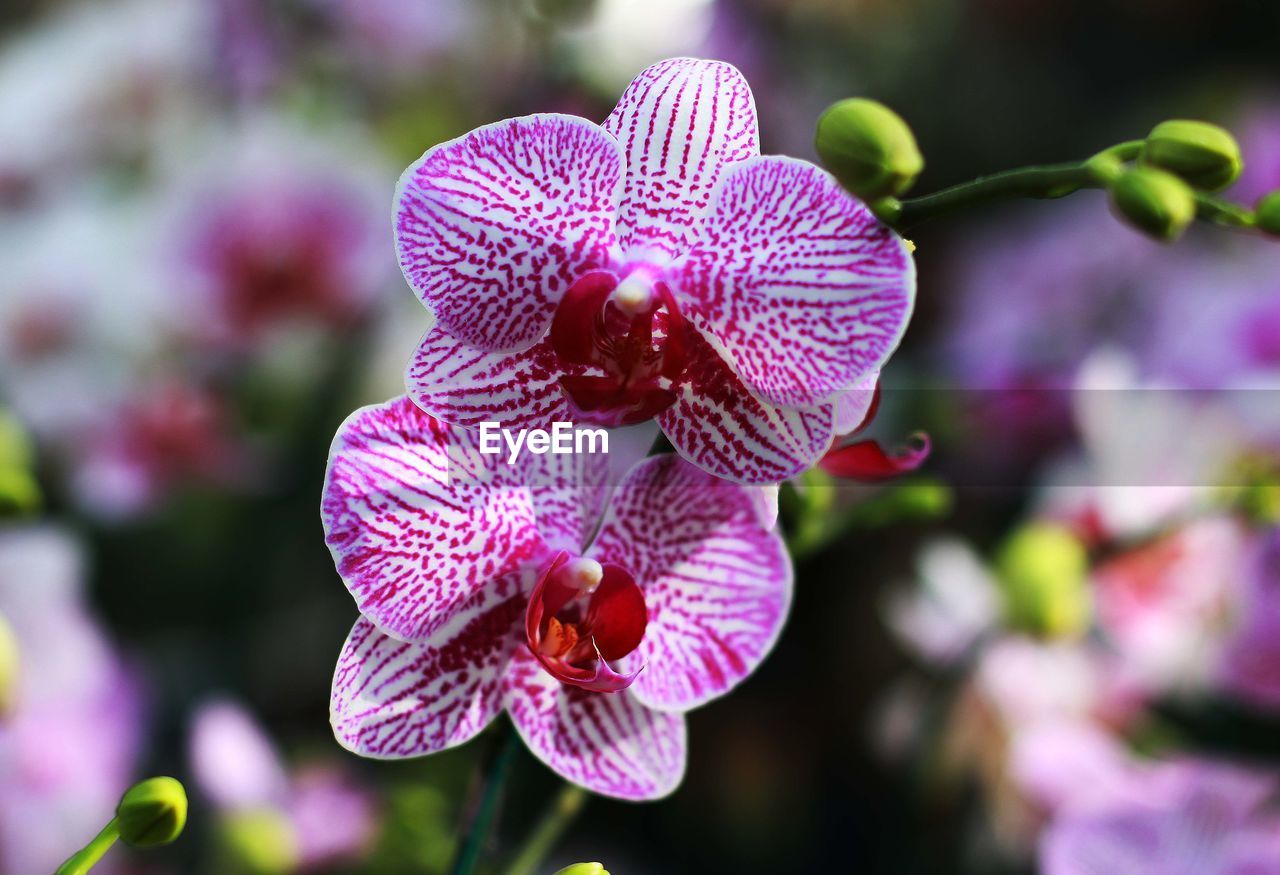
pixel 595 621
pixel 655 266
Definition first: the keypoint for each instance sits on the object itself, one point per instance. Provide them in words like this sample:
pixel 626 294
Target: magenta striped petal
pixel 803 287
pixel 463 385
pixel 680 123
pixel 607 742
pixel 417 521
pixel 492 228
pixel 853 405
pixel 569 493
pixel 718 425
pixel 716 583
pixel 393 699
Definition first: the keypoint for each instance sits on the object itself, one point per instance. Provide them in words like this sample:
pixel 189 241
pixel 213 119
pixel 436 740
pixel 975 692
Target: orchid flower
pixel 72 736
pixel 595 621
pixel 1199 818
pixel 656 266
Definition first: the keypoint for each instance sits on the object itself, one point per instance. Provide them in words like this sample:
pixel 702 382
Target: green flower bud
pixel 869 148
pixel 8 668
pixel 584 869
pixel 1267 213
pixel 1204 155
pixel 1157 203
pixel 15 445
pixel 1043 571
pixel 152 813
pixel 258 842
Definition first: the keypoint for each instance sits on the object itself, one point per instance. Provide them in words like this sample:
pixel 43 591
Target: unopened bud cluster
pixel 1178 158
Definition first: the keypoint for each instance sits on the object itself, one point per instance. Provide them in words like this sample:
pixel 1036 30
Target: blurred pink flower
pixel 280 251
pixel 1164 606
pixel 488 587
pixel 236 766
pixel 400 38
pixel 69 749
pixel 1251 661
pixel 1195 818
pixel 161 439
pixel 1258 131
pixel 654 267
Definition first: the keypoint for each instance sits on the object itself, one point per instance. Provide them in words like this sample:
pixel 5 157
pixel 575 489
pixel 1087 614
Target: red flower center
pixel 581 616
pixel 631 330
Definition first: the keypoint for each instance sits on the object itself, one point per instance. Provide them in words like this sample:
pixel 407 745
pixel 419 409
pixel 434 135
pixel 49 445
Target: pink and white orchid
pixel 595 621
pixel 653 266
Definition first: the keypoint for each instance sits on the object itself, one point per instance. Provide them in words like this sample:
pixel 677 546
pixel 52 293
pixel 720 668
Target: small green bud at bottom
pixel 8 668
pixel 1155 202
pixel 1043 572
pixel 584 869
pixel 1267 213
pixel 869 148
pixel 259 842
pixel 153 812
pixel 1204 155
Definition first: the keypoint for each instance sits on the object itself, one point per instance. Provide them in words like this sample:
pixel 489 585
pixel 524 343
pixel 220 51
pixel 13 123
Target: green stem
pixel 83 860
pixel 1221 212
pixel 479 819
pixel 1043 181
pixel 549 831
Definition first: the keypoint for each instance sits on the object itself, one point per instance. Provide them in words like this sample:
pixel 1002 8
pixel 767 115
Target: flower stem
pixel 547 834
pixel 1042 181
pixel 484 805
pixel 83 860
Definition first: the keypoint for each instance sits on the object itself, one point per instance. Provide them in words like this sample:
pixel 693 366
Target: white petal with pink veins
pixel 417 521
pixel 854 403
pixel 801 285
pixel 607 742
pixel 717 424
pixel 463 385
pixel 569 492
pixel 392 699
pixel 680 123
pixel 492 228
pixel 716 584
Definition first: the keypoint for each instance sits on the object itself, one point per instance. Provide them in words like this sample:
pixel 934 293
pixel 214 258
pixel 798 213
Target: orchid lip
pixel 575 631
pixel 629 335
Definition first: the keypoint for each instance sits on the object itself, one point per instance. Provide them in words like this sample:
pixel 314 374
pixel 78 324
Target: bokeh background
pixel 1081 590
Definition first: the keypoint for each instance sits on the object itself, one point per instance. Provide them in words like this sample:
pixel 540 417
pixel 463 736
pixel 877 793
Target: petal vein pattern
pixel 799 282
pixel 493 227
pixel 717 424
pixel 609 743
pixel 393 699
pixel 680 123
pixel 717 584
pixel 467 386
pixel 417 520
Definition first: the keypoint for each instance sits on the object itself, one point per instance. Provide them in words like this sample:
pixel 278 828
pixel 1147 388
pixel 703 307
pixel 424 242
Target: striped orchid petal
pixel 492 228
pixel 717 424
pixel 607 742
pixel 716 583
pixel 856 406
pixel 569 491
pixel 463 385
pixel 417 520
pixel 799 282
pixel 393 699
pixel 680 123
